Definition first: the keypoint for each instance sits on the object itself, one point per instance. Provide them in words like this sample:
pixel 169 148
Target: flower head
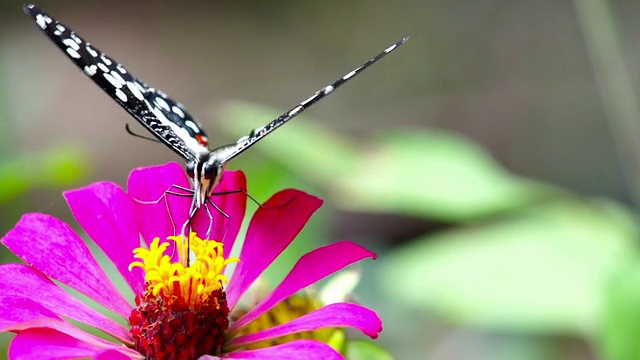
pixel 184 307
pixel 183 297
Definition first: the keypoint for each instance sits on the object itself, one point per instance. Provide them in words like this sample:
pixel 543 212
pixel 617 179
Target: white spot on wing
pixel 192 126
pixel 120 94
pixel 304 103
pixel 72 44
pixel 74 54
pixel 328 90
pixel 105 59
pixel 90 70
pixel 163 104
pixel 103 67
pixel 76 38
pixel 40 20
pixel 118 77
pixel 178 111
pixel 296 110
pixel 112 81
pixel 135 91
pixel 91 51
pixel 353 72
pixel 390 48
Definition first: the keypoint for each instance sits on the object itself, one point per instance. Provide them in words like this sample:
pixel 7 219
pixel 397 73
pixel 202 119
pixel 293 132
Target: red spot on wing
pixel 202 139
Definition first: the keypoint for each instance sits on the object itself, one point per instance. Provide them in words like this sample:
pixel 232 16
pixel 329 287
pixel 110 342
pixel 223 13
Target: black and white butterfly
pixel 165 118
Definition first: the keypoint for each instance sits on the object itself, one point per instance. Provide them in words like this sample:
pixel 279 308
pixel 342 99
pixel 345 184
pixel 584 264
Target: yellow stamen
pixel 191 282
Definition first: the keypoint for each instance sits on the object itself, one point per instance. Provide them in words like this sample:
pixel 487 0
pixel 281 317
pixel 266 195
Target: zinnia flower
pixel 181 309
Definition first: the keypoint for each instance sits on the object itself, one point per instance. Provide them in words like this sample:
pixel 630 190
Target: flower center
pixel 183 312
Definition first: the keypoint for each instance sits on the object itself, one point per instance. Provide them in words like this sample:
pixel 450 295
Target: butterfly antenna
pixel 130 132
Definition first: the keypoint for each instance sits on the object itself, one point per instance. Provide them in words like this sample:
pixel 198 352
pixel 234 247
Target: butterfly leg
pixel 194 211
pixel 238 191
pixel 175 190
pixel 228 221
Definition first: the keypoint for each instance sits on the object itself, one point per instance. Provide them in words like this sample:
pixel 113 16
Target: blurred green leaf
pixel 427 174
pixel 62 167
pixel 338 340
pixel 53 168
pixel 542 271
pixel 621 325
pixel 366 350
pixel 434 174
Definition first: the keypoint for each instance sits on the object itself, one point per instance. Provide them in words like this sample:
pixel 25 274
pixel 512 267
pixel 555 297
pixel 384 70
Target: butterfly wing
pixel 226 153
pixel 166 119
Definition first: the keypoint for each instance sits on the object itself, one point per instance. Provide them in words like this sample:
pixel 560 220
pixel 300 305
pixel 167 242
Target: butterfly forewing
pixel 228 152
pixel 166 119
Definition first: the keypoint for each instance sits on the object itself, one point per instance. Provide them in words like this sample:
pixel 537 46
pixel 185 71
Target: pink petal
pixel 18 313
pixel 272 228
pixel 234 205
pixel 311 267
pixel 46 343
pixel 336 315
pixel 112 354
pixel 38 318
pixel 23 283
pixel 149 185
pixel 52 247
pixel 293 350
pixel 108 216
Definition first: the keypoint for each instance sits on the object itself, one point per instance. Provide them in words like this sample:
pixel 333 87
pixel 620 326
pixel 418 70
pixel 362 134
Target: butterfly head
pixel 205 173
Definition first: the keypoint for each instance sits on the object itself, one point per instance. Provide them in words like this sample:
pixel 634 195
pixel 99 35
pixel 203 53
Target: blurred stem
pixel 614 84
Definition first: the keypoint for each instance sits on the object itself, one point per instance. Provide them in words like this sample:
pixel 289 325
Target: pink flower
pixel 38 310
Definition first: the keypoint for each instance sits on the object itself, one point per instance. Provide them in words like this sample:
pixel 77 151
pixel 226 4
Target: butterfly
pixel 167 119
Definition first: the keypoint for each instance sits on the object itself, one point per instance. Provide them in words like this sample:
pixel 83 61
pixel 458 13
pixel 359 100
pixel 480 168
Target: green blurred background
pixel 492 161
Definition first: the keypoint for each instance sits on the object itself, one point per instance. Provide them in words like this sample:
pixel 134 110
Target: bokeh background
pixel 491 161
